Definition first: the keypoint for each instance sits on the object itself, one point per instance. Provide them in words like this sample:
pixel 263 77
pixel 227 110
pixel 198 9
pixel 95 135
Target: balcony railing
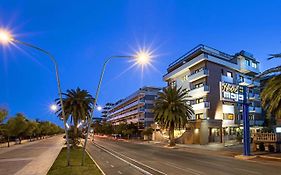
pixel 248 82
pixel 197 75
pixel 199 106
pixel 253 96
pixel 226 79
pixel 199 91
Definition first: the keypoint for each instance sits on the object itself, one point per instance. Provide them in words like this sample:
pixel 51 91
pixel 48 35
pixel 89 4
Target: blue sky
pixel 81 34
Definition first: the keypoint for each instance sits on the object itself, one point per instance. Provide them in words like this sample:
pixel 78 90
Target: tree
pixel 31 128
pixel 3 114
pixel 270 96
pixel 77 105
pixel 17 126
pixel 171 110
pixel 271 101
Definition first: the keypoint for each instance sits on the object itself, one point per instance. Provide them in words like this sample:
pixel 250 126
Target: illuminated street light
pixel 54 107
pixel 99 108
pixel 142 58
pixel 5 38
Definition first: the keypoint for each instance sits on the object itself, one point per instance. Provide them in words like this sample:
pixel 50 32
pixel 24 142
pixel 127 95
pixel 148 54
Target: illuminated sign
pixel 231 92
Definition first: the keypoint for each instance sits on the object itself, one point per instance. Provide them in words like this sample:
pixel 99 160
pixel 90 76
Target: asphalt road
pixel 116 157
pixel 29 158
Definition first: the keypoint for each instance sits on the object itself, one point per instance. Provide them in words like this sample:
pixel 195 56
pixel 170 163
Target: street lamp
pixel 7 38
pixel 54 108
pixel 141 58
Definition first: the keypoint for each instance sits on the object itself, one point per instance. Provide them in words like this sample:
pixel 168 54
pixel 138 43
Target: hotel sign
pixel 231 92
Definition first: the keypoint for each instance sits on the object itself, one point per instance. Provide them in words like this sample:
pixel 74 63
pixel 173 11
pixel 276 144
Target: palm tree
pixel 77 106
pixel 271 98
pixel 171 110
pixel 271 101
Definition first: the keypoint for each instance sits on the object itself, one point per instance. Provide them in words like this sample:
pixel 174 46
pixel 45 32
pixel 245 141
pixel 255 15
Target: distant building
pixel 136 108
pixel 213 80
pixel 105 110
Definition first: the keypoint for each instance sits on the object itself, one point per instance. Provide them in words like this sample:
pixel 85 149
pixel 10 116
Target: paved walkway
pixel 35 158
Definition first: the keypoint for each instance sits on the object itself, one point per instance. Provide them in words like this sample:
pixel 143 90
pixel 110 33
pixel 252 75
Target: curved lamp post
pixel 140 58
pixel 6 38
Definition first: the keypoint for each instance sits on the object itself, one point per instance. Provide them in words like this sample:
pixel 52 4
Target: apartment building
pixel 214 81
pixel 105 110
pixel 136 108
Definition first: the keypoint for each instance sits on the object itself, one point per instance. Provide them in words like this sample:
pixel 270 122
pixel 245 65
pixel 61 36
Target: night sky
pixel 81 34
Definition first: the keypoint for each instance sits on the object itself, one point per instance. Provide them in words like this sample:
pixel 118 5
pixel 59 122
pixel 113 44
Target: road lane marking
pixel 136 161
pixel 112 166
pixel 247 171
pixel 133 165
pixel 189 170
pixel 95 162
pixel 119 172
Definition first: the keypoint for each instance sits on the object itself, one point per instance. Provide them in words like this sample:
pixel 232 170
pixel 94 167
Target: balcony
pixel 248 82
pixel 254 109
pixel 226 79
pixel 200 106
pixel 195 76
pixel 199 92
pixel 255 97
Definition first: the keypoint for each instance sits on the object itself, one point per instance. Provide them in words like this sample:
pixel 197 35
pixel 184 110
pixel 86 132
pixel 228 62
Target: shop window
pixel 227 116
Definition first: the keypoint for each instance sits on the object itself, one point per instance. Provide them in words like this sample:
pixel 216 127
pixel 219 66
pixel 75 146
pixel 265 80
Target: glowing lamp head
pixel 99 108
pixel 5 37
pixel 143 57
pixel 54 107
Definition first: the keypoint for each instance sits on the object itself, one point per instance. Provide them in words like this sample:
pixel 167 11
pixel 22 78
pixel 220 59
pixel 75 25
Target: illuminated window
pixel 199 116
pixel 184 78
pixel 227 116
pixel 199 100
pixel 173 83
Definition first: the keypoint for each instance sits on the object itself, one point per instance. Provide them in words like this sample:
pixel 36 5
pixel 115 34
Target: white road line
pixel 119 172
pixel 137 162
pixel 138 168
pixel 248 171
pixel 189 170
pixel 112 166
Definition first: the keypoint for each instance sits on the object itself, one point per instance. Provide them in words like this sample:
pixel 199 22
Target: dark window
pixel 150 97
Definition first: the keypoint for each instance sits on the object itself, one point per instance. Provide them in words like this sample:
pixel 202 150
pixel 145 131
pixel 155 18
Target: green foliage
pixel 3 114
pixel 77 106
pixel 17 125
pixel 147 131
pixel 59 168
pixel 171 110
pixel 271 101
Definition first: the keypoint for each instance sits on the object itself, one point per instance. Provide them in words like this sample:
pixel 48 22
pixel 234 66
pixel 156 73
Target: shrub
pixel 271 148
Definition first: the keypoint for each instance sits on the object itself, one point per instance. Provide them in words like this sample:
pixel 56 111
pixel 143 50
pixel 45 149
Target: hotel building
pixel 136 108
pixel 214 81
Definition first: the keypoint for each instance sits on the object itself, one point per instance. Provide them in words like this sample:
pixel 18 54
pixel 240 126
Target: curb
pixel 95 163
pixel 242 157
pixel 270 157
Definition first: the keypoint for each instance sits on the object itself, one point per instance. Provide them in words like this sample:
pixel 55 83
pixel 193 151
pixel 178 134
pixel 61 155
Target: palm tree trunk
pixel 75 131
pixel 172 137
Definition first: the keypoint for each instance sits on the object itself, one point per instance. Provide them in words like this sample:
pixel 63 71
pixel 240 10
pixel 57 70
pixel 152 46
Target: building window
pixel 241 78
pixel 247 62
pixel 228 116
pixel 199 100
pixel 222 71
pixel 198 85
pixel 184 78
pixel 254 65
pixel 199 116
pixel 173 83
pixel 229 74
